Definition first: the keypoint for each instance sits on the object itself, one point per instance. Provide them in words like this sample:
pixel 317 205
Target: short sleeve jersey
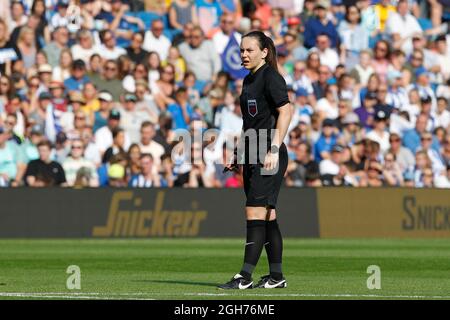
pixel 262 93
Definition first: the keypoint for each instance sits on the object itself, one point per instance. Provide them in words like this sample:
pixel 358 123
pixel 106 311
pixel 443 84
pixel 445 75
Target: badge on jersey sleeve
pixel 252 107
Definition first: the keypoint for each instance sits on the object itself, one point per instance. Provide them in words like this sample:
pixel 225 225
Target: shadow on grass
pixel 195 283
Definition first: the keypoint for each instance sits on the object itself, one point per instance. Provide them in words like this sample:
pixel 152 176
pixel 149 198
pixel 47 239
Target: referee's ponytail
pixel 265 42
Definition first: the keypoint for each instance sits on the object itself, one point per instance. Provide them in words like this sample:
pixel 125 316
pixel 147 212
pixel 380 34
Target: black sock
pixel 256 233
pixel 274 249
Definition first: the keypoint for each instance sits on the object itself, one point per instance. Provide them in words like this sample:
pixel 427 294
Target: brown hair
pixel 265 42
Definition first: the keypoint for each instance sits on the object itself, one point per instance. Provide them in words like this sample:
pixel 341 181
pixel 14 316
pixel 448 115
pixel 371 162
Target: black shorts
pixel 262 190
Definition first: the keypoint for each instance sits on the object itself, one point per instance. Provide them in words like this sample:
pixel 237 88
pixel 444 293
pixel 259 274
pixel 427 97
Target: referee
pixel 265 106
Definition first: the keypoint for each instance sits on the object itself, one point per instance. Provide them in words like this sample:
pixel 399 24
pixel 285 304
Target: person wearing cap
pixel 34 135
pixel 320 24
pixel 397 95
pixel 367 110
pixel 423 85
pixel 78 77
pixel 61 18
pixel 379 132
pixel 131 117
pixel 351 130
pixel 101 115
pixel 12 159
pixel 104 136
pixel 45 74
pixel 58 97
pixel 326 141
pixel 331 165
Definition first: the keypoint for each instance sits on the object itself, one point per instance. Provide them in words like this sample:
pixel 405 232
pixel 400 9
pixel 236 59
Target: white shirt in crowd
pixel 221 40
pixel 329 57
pixel 382 140
pixel 109 54
pixel 161 45
pixel 104 139
pixel 405 26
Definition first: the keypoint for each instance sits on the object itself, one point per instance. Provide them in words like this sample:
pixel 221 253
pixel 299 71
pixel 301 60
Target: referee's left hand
pixel 271 161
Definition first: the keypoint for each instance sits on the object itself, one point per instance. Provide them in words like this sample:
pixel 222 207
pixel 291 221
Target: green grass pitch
pixel 191 269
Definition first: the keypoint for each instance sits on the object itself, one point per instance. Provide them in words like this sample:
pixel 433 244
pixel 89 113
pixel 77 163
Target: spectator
pixel 411 138
pixel 203 58
pixel 320 24
pixel 367 110
pixel 208 14
pixel 78 77
pixel 12 160
pixel 26 44
pixel 135 51
pixel 53 49
pixel 354 37
pixel 375 177
pixel 147 178
pixel 134 155
pixel 117 147
pixel 148 145
pixel 44 171
pixel 302 165
pixel 426 139
pixel 422 164
pixel 84 48
pixel 109 80
pixel 163 89
pixel 226 30
pixel 154 40
pixel 331 165
pixel 182 12
pixel 392 171
pixel 104 136
pixel 402 155
pixel 380 60
pixel 109 50
pixel 62 71
pixel 327 107
pixel 401 26
pixel 326 141
pixel 131 117
pixel 76 162
pixel 181 111
pixel 101 115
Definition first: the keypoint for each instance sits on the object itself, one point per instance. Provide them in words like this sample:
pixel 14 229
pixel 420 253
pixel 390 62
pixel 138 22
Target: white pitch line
pixel 74 295
pixel 345 295
pixel 142 295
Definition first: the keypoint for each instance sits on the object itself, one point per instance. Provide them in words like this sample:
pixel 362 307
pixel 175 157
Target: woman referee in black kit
pixel 265 105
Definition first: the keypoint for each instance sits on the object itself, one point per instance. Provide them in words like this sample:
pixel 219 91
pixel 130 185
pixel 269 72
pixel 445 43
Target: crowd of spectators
pixel 92 92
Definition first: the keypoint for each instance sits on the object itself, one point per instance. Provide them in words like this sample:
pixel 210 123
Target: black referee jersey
pixel 262 93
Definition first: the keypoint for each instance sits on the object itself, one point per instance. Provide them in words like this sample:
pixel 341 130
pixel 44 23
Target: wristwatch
pixel 274 149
